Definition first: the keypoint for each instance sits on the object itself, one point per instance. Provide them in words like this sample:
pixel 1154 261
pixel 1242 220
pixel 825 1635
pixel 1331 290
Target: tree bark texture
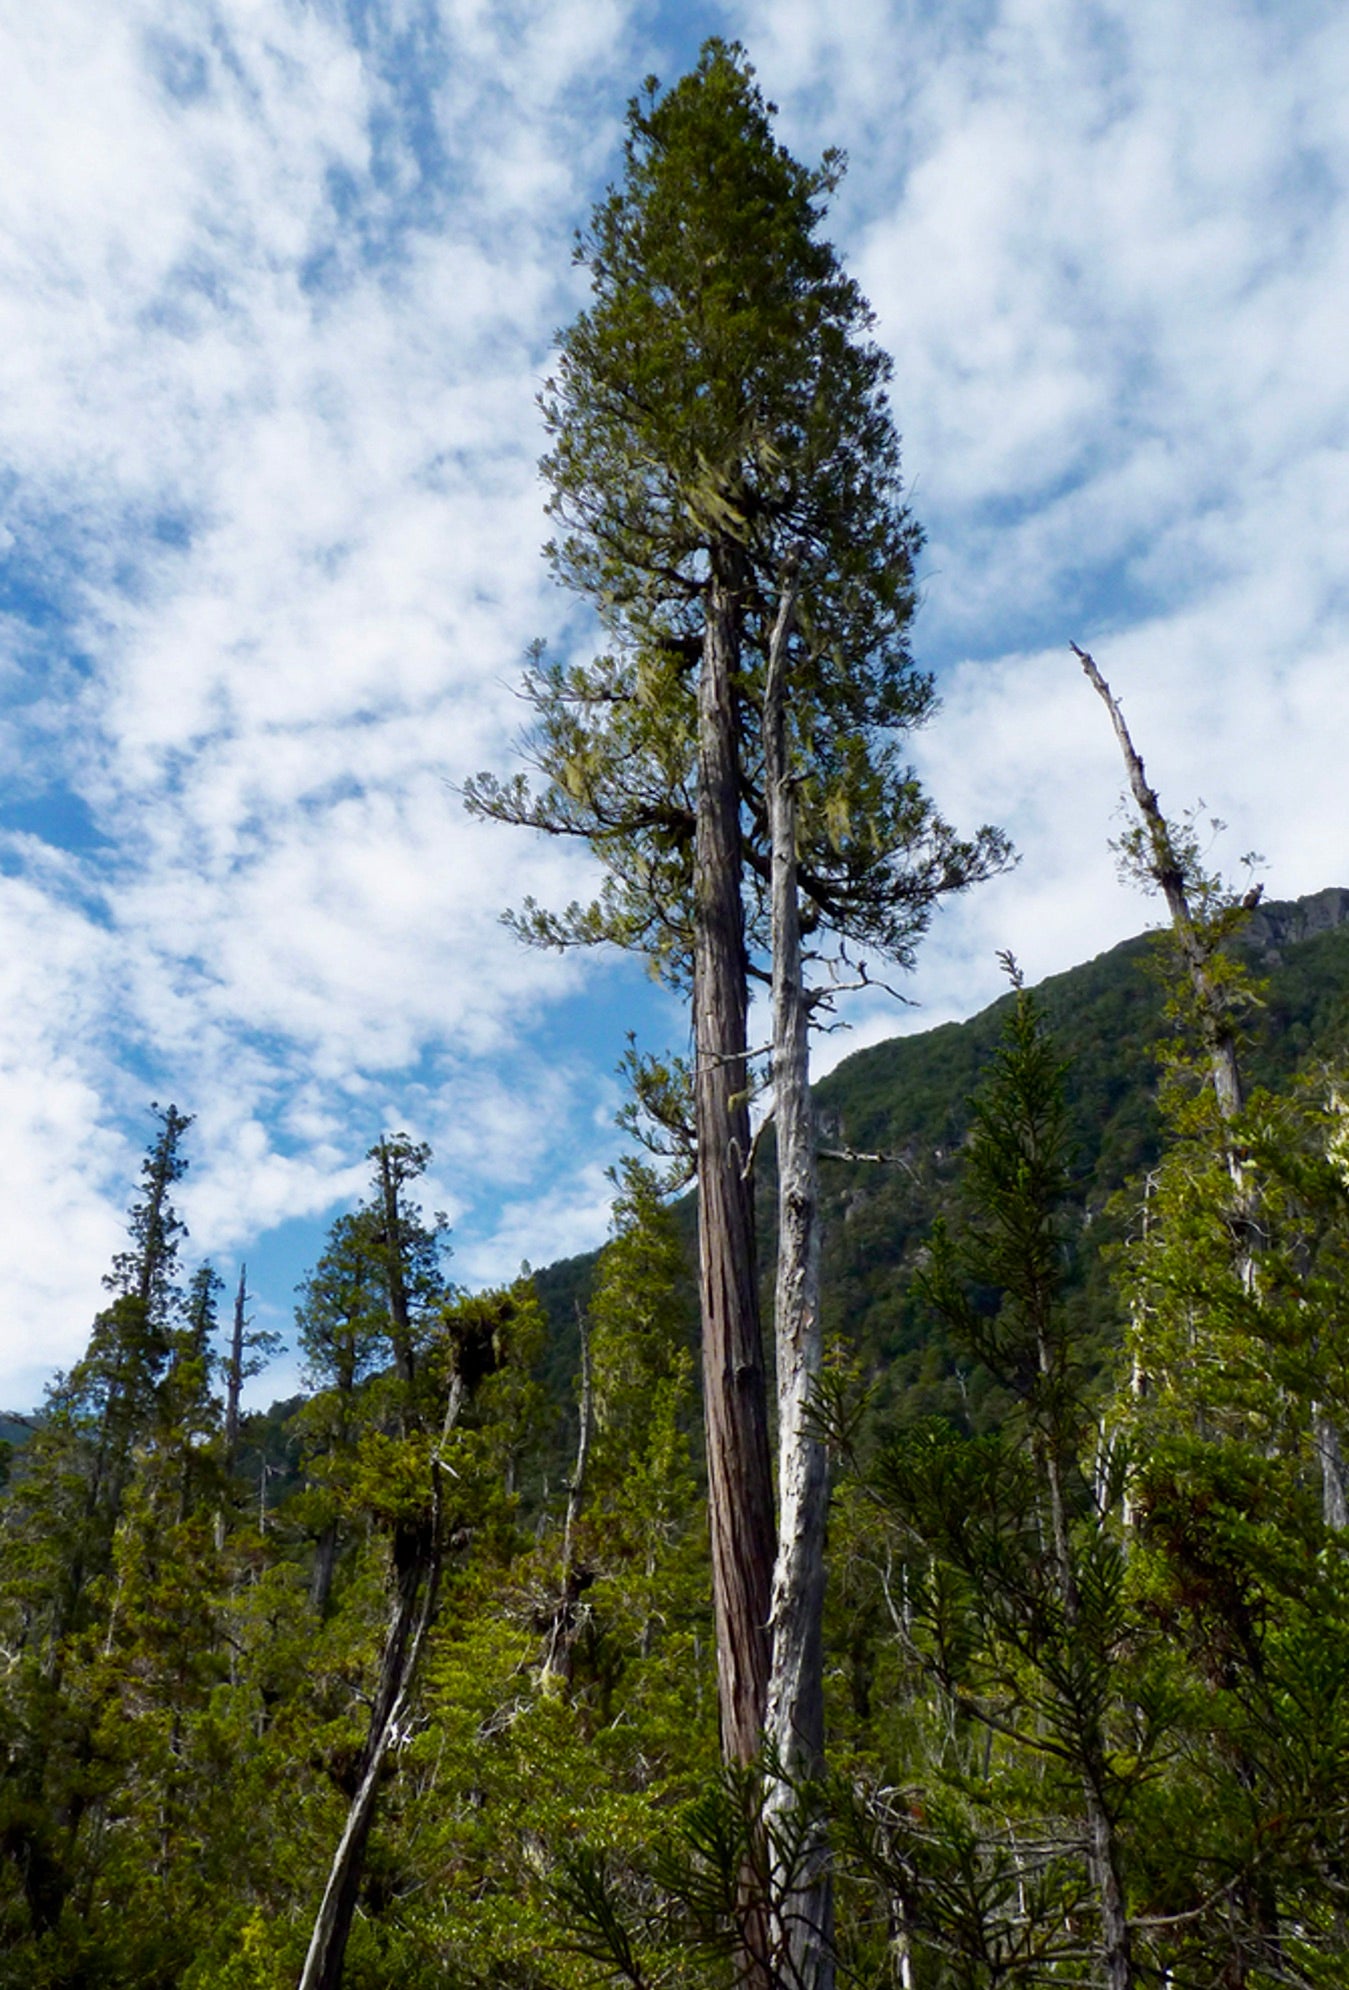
pixel 794 1723
pixel 1334 1479
pixel 740 1489
pixel 417 1564
pixel 1227 1083
pixel 1116 1938
pixel 1171 879
pixel 557 1660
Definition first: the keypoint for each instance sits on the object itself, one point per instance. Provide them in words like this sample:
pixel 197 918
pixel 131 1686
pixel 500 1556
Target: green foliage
pixel 638 1322
pixel 1012 1612
pixel 908 1099
pixel 1235 1280
pixel 641 1532
pixel 185 1713
pixel 1015 1188
pixel 341 1312
pixel 722 386
pixel 1087 1644
pixel 720 403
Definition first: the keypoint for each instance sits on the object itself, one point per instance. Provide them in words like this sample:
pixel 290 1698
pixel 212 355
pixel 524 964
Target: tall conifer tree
pixel 718 413
pixel 59 1527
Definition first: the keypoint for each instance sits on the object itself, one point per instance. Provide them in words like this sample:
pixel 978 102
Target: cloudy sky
pixel 278 282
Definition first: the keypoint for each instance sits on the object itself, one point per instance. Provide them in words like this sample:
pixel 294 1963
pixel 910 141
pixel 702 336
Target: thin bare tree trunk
pixel 794 1723
pixel 576 1490
pixel 1169 874
pixel 1227 1085
pixel 740 1490
pixel 1116 1934
pixel 417 1559
pixel 1330 1456
pixel 234 1385
pixel 562 1631
pixel 1116 1940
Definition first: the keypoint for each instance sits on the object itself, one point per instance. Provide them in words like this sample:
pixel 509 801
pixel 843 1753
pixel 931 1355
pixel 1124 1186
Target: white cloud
pixel 278 296
pixel 262 314
pixel 62 1161
pixel 572 1217
pixel 1108 248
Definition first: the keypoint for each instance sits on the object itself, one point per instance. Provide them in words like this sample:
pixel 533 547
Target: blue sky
pixel 278 284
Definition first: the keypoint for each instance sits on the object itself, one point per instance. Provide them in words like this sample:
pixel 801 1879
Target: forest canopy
pixel 506 1655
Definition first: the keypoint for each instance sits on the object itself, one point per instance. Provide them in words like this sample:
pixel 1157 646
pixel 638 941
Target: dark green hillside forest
pixel 191 1674
pixel 908 1101
pixel 504 1657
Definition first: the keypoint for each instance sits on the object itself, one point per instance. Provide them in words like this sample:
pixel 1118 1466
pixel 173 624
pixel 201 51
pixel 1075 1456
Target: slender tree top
pixel 146 1272
pixel 723 389
pixel 718 413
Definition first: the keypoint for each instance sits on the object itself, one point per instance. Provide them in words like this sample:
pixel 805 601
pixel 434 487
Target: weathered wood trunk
pixel 417 1563
pixel 1226 1071
pixel 740 1492
pixel 794 1723
pixel 1170 877
pixel 234 1388
pixel 1334 1479
pixel 1116 1937
pixel 557 1658
pixel 417 1570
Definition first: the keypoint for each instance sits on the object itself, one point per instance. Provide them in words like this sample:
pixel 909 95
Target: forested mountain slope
pixel 423 1654
pixel 908 1100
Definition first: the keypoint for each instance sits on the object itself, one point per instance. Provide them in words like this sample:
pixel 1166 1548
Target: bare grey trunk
pixel 557 1662
pixel 1116 1942
pixel 1051 1469
pixel 576 1490
pixel 794 1723
pixel 1227 1083
pixel 418 1571
pixel 1169 874
pixel 1330 1455
pixel 739 1470
pixel 417 1558
pixel 234 1383
pixel 1116 1935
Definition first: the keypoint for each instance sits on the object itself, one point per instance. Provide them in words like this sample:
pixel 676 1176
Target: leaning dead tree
pixel 473 1331
pixel 1165 865
pixel 416 1554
